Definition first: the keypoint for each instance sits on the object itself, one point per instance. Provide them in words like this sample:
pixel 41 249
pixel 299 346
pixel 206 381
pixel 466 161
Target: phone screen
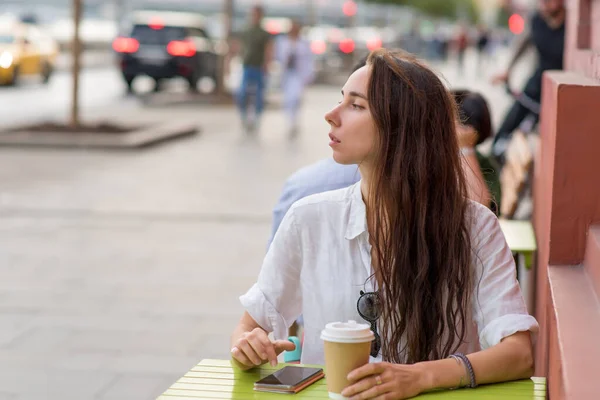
pixel 289 376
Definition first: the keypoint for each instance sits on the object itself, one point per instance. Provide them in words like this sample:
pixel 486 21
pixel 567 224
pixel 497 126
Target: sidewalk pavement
pixel 121 270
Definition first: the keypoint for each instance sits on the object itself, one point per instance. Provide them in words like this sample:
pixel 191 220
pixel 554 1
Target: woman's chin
pixel 341 159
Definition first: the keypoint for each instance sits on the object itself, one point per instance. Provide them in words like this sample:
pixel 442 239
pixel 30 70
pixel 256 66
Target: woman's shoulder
pixel 326 198
pixel 481 221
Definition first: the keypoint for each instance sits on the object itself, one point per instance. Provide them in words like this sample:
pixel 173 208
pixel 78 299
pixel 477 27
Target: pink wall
pixel 567 198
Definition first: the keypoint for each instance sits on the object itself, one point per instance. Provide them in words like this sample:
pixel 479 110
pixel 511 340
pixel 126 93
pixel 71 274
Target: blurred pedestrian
pixel 439 44
pixel 483 43
pixel 296 58
pixel 257 55
pixel 413 41
pixel 496 42
pixel 461 44
pixel 547 36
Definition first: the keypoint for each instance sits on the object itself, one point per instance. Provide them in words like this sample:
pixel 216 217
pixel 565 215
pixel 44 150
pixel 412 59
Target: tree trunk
pixel 311 12
pixel 351 58
pixel 119 12
pixel 76 49
pixel 225 58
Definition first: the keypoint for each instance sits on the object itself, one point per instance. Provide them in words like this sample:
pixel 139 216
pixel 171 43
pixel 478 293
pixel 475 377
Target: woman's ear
pixel 467 135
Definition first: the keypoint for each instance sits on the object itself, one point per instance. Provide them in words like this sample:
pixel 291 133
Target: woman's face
pixel 353 132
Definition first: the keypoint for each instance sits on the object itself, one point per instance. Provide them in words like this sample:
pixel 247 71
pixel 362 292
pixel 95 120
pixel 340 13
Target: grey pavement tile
pixel 151 364
pixel 50 396
pixel 54 301
pixel 41 340
pixel 174 342
pixel 136 387
pixel 127 322
pixel 82 361
pixel 53 384
pixel 19 358
pixel 12 326
pixel 214 345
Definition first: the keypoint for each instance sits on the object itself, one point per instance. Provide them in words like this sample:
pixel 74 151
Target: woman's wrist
pixel 441 374
pixel 425 377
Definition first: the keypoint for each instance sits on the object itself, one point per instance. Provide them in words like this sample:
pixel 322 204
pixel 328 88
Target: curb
pixel 136 139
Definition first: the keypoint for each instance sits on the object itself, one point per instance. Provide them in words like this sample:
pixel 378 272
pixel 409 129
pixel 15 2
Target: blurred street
pixel 121 270
pixel 101 85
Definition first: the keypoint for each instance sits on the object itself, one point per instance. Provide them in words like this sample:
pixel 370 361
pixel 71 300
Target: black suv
pixel 165 45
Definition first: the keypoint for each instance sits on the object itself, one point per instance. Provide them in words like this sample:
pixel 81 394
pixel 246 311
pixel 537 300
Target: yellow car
pixel 25 51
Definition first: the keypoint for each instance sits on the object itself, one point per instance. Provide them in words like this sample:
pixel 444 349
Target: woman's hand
pixel 385 381
pixel 254 348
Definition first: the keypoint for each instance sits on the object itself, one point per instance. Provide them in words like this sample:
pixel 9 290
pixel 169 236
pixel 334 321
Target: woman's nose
pixel 332 118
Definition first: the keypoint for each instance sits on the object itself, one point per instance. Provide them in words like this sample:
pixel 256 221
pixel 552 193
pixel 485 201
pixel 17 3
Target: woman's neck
pixel 365 183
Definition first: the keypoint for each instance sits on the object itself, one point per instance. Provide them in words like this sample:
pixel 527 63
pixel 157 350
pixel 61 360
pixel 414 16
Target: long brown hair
pixel 416 211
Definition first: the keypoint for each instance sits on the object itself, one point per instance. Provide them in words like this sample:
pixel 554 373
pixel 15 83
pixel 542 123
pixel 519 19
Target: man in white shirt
pixel 295 56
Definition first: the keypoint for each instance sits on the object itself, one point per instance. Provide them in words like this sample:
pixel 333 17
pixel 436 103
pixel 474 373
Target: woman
pixel 438 262
pixel 474 127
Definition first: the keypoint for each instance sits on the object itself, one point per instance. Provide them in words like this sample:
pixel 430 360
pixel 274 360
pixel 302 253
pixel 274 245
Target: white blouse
pixel 320 259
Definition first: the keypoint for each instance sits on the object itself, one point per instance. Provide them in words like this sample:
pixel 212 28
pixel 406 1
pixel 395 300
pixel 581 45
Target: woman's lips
pixel 334 140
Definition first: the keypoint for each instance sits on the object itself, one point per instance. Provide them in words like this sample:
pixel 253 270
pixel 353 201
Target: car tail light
pixel 347 46
pixel 181 48
pixel 318 46
pixel 125 45
pixel 273 27
pixel 156 23
pixel 374 44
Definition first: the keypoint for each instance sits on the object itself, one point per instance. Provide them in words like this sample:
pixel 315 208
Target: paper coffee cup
pixel 347 346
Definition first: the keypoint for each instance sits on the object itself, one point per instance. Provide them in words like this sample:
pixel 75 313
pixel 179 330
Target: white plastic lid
pixel 347 332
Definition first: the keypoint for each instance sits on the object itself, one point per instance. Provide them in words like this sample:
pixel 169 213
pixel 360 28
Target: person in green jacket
pixel 475 128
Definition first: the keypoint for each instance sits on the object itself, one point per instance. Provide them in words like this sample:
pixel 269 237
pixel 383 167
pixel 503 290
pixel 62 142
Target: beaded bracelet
pixel 468 367
pixel 459 361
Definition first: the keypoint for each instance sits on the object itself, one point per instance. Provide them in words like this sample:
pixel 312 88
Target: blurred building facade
pixel 489 10
pixel 307 10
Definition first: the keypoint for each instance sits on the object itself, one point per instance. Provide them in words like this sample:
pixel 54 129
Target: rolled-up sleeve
pixel 275 300
pixel 499 309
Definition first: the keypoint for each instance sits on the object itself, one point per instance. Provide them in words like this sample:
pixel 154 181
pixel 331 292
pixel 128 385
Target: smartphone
pixel 290 378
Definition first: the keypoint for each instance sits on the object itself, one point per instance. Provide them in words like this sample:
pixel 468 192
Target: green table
pixel 217 379
pixel 520 238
